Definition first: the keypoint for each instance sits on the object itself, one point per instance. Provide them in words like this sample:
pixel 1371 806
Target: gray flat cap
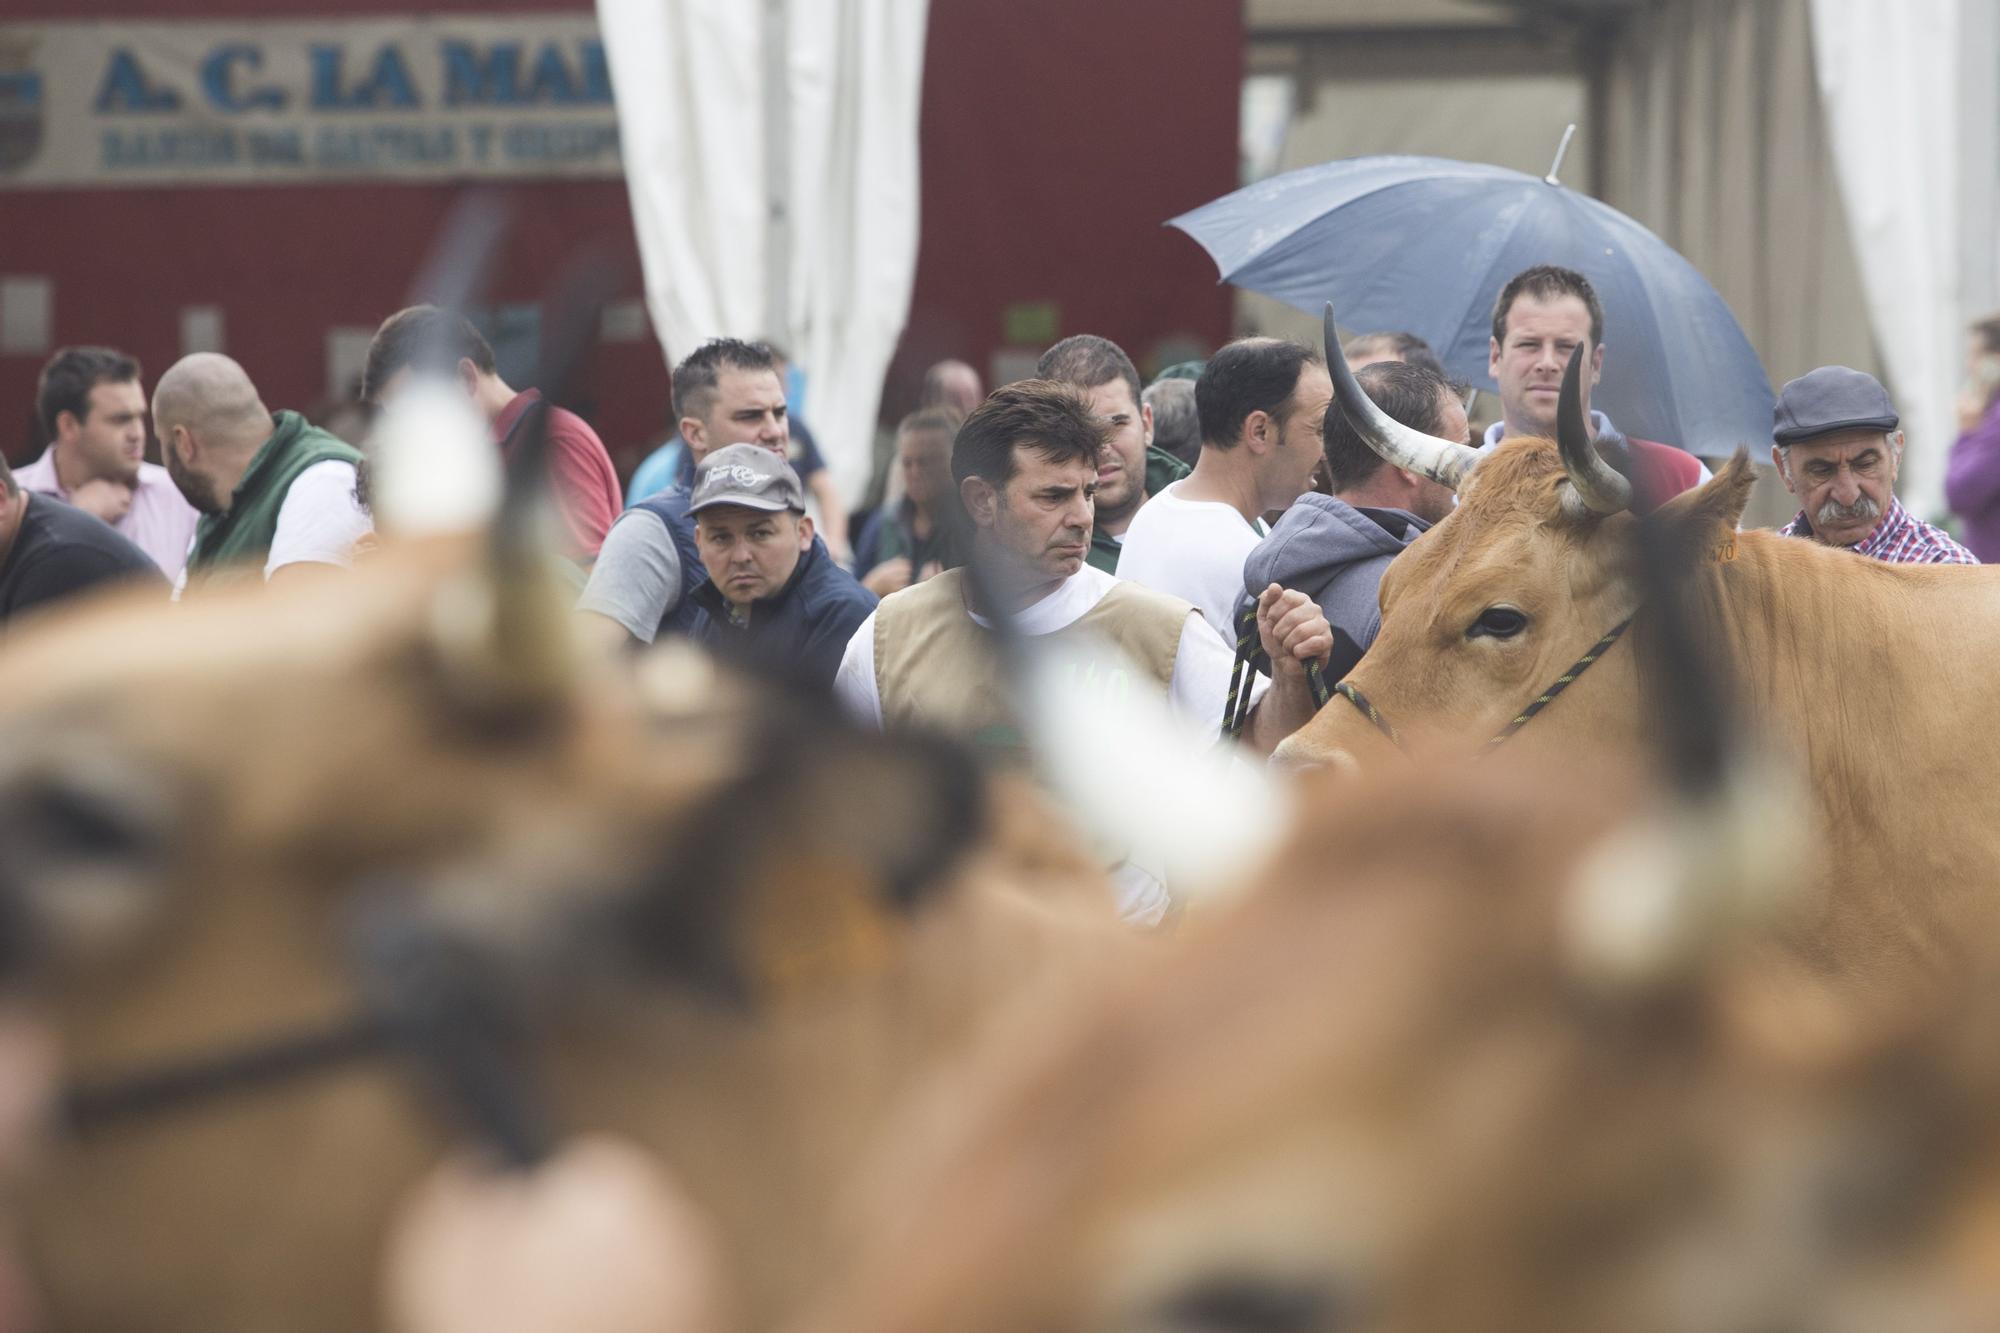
pixel 1832 398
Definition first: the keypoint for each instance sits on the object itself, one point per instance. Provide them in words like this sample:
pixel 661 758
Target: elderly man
pixel 1541 316
pixel 1336 547
pixel 1260 402
pixel 727 392
pixel 91 404
pixel 773 597
pixel 1176 423
pixel 1131 470
pixel 1837 448
pixel 1027 463
pixel 50 551
pixel 276 493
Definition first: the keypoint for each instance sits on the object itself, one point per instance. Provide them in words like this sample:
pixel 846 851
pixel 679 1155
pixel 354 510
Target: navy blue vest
pixel 671 508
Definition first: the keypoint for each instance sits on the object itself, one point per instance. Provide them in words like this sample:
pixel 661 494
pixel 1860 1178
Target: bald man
pixel 276 493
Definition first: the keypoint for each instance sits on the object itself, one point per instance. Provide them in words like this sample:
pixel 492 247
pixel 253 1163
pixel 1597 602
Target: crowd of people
pixel 1222 510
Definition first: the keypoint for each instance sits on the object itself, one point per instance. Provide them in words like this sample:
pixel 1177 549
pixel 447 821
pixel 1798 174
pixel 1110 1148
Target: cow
pixel 718 925
pixel 1399 1090
pixel 1871 683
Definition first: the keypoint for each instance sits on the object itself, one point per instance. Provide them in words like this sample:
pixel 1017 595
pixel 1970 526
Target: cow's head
pixel 1487 610
pixel 198 803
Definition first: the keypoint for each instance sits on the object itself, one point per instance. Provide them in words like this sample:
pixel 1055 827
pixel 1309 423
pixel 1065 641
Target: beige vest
pixel 935 667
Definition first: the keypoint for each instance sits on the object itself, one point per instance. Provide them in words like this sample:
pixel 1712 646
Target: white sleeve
pixel 319 520
pixel 637 578
pixel 854 684
pixel 1202 667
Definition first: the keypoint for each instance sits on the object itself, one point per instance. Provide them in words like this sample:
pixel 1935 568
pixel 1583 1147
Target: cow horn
pixel 1597 483
pixel 1443 461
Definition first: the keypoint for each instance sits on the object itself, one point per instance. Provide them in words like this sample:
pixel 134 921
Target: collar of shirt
pixel 1599 425
pixel 1893 525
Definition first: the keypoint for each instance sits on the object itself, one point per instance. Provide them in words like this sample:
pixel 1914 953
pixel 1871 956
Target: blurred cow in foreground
pixel 1872 683
pixel 646 903
pixel 1412 1087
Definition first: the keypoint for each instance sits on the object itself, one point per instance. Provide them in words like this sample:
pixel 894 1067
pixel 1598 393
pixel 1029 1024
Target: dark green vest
pixel 245 532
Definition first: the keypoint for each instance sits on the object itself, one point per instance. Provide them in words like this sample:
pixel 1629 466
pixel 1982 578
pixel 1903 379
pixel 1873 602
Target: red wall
pixel 1056 138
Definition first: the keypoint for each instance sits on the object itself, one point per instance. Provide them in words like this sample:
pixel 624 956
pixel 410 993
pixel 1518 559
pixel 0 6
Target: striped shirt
pixel 1899 539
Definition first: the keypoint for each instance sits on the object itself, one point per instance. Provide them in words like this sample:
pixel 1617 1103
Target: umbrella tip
pixel 1562 149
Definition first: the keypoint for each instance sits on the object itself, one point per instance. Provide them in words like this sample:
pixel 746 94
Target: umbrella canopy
pixel 1424 244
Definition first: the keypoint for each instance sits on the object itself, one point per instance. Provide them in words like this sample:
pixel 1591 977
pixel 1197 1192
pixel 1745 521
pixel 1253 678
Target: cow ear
pixel 1703 521
pixel 808 868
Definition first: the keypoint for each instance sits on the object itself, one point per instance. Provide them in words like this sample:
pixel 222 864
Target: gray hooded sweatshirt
pixel 1335 554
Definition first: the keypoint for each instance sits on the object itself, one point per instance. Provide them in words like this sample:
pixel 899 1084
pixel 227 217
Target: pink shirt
pixel 160 521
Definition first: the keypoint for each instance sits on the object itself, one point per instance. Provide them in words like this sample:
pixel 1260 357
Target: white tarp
pixel 693 97
pixel 270 102
pixel 1889 83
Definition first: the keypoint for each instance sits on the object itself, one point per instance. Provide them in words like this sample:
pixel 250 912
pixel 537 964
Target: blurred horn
pixel 1597 483
pixel 1443 461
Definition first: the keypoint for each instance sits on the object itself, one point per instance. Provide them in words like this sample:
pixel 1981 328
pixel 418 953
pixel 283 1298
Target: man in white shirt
pixel 1260 402
pixel 276 493
pixel 1026 464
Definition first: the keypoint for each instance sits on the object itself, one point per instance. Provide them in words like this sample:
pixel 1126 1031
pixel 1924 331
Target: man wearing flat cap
pixel 1836 446
pixel 774 597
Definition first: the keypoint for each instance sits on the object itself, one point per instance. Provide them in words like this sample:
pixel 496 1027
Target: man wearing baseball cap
pixel 774 596
pixel 1836 446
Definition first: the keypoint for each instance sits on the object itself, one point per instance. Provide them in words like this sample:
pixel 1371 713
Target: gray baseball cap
pixel 748 475
pixel 1830 399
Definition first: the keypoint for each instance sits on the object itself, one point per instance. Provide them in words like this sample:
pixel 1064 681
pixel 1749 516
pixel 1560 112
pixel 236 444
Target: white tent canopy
pixel 770 149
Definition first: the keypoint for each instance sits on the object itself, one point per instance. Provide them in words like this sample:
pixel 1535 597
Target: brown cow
pixel 1871 682
pixel 1395 1093
pixel 763 927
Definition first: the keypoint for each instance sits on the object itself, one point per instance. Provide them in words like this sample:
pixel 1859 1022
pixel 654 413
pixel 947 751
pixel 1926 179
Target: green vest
pixel 245 532
pixel 1162 471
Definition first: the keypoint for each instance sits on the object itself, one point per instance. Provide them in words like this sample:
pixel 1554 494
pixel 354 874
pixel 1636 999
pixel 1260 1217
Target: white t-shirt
pixel 320 520
pixel 1199 687
pixel 1194 549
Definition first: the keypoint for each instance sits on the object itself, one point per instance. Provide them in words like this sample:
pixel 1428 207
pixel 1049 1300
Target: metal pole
pixel 1561 149
pixel 777 173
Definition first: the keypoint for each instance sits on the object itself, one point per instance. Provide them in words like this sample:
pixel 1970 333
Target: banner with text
pixel 270 103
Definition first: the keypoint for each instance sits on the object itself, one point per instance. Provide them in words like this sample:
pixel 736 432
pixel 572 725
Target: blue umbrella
pixel 1424 244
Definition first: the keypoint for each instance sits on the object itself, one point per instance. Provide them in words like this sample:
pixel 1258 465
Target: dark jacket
pixel 671 507
pixel 801 632
pixel 1335 554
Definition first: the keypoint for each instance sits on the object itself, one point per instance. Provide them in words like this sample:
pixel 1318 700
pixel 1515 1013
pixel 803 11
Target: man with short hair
pixel 1336 547
pixel 1366 349
pixel 275 492
pixel 91 404
pixel 1132 469
pixel 424 339
pixel 1176 425
pixel 726 391
pixel 1540 317
pixel 773 595
pixel 1836 446
pixel 918 536
pixel 1260 402
pixel 1027 464
pixel 51 551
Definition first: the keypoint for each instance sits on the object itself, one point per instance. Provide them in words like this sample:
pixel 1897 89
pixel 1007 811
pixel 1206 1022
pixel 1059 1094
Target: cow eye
pixel 1498 622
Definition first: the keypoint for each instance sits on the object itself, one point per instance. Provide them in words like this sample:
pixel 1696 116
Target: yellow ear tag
pixel 1727 553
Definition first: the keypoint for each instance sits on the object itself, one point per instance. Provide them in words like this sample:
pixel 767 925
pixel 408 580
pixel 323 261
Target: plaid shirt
pixel 1898 539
